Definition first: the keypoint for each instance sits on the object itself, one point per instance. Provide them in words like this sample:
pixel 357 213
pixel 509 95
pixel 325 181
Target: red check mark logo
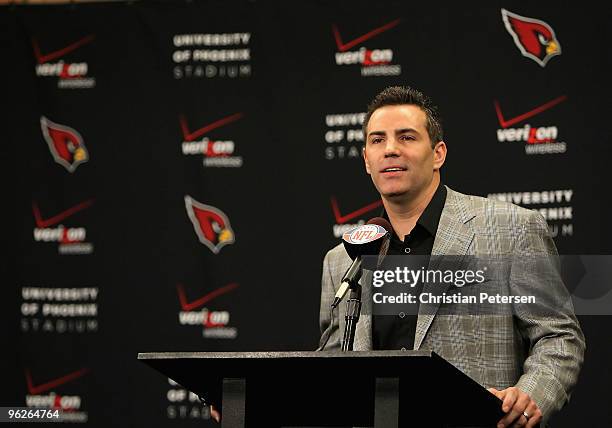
pixel 190 136
pixel 367 36
pixel 54 383
pixel 190 306
pixel 506 123
pixel 42 223
pixel 60 52
pixel 341 219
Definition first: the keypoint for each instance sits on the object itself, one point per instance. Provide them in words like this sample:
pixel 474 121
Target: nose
pixel 391 148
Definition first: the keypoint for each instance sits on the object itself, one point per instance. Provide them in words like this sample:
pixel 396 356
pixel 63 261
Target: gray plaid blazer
pixel 541 355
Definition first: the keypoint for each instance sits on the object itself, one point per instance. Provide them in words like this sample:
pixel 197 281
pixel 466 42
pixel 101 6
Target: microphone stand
pixel 353 304
pixel 353 310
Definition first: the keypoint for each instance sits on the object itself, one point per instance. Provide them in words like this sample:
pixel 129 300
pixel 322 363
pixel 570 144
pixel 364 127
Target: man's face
pixel 398 153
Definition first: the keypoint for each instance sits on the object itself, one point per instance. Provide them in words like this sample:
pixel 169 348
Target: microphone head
pixel 367 238
pixel 381 222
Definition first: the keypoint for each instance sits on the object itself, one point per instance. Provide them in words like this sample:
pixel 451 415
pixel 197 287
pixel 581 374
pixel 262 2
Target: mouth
pixel 393 170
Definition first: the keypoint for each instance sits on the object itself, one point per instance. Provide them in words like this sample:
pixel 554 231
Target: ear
pixel 439 153
pixel 365 160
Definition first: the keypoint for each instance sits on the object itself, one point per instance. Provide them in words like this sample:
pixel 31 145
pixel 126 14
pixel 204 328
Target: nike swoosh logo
pixel 41 223
pixel 189 306
pixel 38 389
pixel 375 32
pixel 341 219
pixel 509 122
pixel 60 52
pixel 190 136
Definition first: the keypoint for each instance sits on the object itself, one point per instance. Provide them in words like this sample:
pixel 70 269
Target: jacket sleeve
pixel 549 328
pixel 330 332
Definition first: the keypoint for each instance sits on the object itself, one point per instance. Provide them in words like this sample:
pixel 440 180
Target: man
pixel 529 362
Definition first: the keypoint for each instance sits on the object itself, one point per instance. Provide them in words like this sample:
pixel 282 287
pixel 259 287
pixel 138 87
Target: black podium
pixel 374 388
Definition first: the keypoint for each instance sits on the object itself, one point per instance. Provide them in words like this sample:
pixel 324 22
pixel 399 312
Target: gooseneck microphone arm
pixel 353 310
pixel 352 275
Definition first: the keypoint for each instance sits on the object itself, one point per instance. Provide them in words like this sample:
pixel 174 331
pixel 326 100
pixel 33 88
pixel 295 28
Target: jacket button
pixel 407 250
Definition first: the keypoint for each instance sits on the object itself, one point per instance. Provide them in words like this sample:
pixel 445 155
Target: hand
pixel 515 402
pixel 215 414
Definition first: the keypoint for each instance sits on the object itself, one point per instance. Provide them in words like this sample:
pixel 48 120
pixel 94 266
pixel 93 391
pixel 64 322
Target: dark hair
pixel 399 95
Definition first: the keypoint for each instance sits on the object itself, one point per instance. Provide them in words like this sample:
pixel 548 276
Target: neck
pixel 404 213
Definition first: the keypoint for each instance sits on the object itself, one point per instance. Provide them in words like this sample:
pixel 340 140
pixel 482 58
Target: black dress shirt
pixel 397 331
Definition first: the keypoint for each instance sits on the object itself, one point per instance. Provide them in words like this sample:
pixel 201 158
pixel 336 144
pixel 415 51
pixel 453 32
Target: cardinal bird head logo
pixel 65 143
pixel 535 38
pixel 211 225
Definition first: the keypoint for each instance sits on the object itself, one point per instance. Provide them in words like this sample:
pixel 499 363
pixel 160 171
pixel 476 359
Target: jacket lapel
pixel 453 237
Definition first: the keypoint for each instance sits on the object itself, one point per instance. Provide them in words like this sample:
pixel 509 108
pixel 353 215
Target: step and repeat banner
pixel 176 171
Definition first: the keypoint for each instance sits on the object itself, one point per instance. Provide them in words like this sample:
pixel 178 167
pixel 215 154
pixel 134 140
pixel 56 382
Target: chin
pixel 398 194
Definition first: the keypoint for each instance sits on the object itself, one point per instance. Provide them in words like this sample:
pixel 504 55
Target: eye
pixel 406 137
pixel 376 140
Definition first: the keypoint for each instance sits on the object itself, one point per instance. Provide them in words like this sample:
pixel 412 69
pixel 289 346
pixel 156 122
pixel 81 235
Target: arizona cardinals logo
pixel 535 39
pixel 211 224
pixel 65 143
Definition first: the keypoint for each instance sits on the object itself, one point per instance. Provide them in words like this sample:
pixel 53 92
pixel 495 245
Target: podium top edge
pixel 281 355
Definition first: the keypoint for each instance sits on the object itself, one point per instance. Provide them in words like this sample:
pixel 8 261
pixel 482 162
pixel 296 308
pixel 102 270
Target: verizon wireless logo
pixel 534 38
pixel 43 395
pixel 215 324
pixel 342 224
pixel 217 153
pixel 211 55
pixel 373 62
pixel 70 75
pixel 71 240
pixel 65 144
pixel 537 139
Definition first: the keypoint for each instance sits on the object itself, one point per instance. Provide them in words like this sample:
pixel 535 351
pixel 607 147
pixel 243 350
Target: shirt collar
pixel 430 217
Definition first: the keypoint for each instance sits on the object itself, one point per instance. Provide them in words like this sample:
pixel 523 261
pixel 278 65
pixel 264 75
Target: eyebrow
pixel 406 130
pixel 397 131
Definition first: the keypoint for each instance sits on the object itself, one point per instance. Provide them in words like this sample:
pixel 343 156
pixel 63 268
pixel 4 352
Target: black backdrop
pixel 264 89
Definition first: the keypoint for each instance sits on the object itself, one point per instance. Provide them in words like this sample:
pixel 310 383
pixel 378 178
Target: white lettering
pixel 225 39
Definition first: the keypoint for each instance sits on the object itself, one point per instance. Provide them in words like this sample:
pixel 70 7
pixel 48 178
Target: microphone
pixel 366 239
